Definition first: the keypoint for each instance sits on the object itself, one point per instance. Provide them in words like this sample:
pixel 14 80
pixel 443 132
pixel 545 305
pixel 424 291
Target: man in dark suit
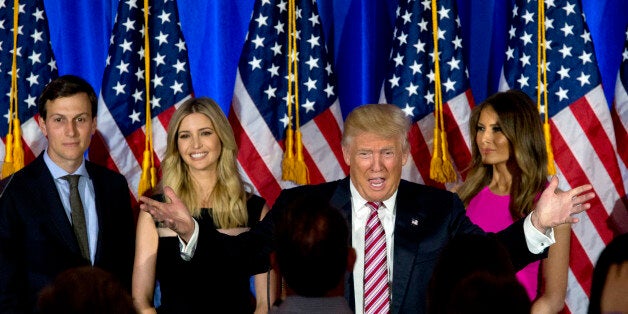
pixel 418 221
pixel 40 230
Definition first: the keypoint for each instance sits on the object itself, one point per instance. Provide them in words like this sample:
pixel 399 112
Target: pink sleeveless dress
pixel 490 212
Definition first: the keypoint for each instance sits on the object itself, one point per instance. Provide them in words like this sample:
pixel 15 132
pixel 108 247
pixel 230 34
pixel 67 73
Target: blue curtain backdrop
pixel 358 32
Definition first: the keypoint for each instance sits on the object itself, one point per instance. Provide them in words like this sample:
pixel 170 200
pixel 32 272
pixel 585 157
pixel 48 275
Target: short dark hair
pixel 464 255
pixel 85 289
pixel 65 86
pixel 486 293
pixel 312 240
pixel 615 253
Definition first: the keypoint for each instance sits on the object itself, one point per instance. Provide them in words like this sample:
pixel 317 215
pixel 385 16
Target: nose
pixel 70 128
pixel 487 137
pixel 196 142
pixel 377 162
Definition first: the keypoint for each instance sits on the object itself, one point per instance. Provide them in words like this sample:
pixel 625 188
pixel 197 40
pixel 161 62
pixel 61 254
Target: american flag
pixel 620 106
pixel 409 83
pixel 259 112
pixel 582 135
pixel 119 143
pixel 620 121
pixel 36 66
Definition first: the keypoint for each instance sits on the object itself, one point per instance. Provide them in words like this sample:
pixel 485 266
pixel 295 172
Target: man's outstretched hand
pixel 557 207
pixel 173 215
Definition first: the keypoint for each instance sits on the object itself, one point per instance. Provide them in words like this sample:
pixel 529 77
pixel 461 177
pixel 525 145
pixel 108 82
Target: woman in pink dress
pixel 508 172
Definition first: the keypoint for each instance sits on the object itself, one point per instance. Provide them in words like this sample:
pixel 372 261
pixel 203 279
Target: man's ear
pixel 346 155
pixel 94 125
pixel 351 259
pixel 42 125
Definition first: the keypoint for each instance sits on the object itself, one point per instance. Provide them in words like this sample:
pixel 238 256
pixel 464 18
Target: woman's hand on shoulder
pixel 172 215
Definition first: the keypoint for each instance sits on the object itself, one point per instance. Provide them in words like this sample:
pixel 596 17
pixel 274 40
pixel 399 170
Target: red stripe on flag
pixel 598 138
pixel 137 143
pixel 28 153
pixel 421 155
pixel 99 154
pixel 257 171
pixel 165 116
pixel 314 173
pixel 332 133
pixel 456 144
pixel 580 265
pixel 576 176
pixel 621 136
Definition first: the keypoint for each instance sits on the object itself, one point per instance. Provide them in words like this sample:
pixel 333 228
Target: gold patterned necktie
pixel 78 215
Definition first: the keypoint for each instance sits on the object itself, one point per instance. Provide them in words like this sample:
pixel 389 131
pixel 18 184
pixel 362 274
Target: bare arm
pixel 262 289
pixel 555 269
pixel 143 285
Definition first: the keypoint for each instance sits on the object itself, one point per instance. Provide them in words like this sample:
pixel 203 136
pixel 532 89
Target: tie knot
pixel 374 205
pixel 72 179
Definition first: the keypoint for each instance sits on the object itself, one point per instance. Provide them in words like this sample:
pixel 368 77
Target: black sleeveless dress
pixel 220 286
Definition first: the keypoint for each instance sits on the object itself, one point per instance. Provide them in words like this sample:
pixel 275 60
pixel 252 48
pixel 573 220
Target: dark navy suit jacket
pixel 37 241
pixel 426 219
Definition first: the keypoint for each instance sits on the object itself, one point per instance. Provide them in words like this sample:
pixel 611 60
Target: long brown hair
pixel 521 124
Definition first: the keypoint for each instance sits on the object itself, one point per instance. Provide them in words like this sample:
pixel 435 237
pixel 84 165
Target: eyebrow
pixel 63 115
pixel 490 124
pixel 201 129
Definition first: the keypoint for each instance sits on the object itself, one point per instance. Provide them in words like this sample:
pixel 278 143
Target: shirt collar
pixel 58 172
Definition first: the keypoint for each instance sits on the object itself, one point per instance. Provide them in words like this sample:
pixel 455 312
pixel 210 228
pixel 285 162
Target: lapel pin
pixel 414 222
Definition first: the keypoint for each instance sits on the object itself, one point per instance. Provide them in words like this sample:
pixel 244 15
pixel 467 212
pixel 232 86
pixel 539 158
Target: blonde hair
pixel 228 198
pixel 385 120
pixel 521 124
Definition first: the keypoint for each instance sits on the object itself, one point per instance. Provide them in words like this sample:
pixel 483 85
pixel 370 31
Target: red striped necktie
pixel 376 286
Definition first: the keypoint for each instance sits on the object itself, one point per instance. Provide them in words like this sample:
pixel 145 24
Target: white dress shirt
pixel 188 249
pixel 359 215
pixel 86 191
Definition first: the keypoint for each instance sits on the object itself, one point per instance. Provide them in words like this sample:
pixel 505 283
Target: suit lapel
pixel 406 242
pixel 341 199
pixel 43 187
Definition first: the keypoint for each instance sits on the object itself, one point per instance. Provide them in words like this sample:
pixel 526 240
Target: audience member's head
pixel 486 293
pixel 465 255
pixel 85 290
pixel 313 252
pixel 609 287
